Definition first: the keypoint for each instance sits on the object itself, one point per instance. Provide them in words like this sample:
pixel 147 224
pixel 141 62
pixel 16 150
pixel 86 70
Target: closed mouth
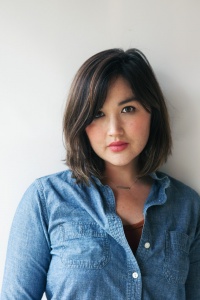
pixel 119 143
pixel 118 146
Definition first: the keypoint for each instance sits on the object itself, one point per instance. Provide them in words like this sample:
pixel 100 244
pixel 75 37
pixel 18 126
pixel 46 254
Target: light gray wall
pixel 43 42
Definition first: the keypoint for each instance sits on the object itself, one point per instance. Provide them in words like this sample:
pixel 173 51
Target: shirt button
pixel 147 245
pixel 135 275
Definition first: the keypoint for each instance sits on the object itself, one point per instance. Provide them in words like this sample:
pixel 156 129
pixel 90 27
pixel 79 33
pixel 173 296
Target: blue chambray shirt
pixel 67 241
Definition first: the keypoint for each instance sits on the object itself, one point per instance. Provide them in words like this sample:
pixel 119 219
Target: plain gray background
pixel 42 44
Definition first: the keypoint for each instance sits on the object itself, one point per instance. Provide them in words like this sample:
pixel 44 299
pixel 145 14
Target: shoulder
pixel 62 186
pixel 42 186
pixel 54 185
pixel 179 190
pixel 177 185
pixel 65 175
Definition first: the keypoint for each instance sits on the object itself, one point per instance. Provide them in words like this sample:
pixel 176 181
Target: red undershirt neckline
pixel 133 234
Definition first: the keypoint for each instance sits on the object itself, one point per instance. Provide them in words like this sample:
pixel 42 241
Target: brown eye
pixel 128 109
pixel 99 115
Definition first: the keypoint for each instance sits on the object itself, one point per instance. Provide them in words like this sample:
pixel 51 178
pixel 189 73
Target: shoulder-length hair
pixel 87 96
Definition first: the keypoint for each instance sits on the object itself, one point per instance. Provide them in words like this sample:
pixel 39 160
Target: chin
pixel 121 163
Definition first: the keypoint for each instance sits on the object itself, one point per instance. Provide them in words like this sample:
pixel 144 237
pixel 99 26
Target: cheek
pixel 145 131
pixel 94 133
pixel 140 129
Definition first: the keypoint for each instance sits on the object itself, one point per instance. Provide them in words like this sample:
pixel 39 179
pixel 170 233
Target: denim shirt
pixel 67 241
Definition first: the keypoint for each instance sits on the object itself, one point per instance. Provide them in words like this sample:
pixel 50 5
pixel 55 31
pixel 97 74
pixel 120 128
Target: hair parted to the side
pixel 87 95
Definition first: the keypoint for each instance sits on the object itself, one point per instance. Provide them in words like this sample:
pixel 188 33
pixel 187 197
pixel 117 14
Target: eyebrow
pixel 127 100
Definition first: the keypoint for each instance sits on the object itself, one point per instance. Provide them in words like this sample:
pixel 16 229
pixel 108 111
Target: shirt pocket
pixel 176 265
pixel 84 245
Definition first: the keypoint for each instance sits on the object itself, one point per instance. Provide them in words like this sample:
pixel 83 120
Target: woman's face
pixel 120 130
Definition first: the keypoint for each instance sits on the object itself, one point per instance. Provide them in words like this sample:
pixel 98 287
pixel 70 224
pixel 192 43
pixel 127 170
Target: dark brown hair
pixel 87 95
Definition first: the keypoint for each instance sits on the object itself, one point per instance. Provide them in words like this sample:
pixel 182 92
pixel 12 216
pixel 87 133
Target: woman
pixel 112 226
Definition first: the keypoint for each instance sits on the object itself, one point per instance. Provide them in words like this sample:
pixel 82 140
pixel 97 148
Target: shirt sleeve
pixel 193 280
pixel 28 253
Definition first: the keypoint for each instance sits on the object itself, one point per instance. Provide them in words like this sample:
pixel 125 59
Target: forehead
pixel 119 89
pixel 120 92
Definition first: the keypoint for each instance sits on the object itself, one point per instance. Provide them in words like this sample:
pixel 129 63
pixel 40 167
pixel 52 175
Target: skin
pixel 122 118
pixel 118 121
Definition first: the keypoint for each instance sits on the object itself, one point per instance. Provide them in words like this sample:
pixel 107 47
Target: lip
pixel 118 146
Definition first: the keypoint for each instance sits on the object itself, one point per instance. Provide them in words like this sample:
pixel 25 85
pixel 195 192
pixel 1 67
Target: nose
pixel 115 127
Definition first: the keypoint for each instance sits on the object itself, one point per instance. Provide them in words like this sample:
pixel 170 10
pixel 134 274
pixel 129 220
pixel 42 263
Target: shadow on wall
pixel 185 125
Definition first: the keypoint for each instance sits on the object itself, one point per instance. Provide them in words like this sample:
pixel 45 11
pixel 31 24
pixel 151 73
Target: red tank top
pixel 133 234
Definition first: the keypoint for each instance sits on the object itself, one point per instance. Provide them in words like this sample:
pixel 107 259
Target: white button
pixel 147 245
pixel 135 275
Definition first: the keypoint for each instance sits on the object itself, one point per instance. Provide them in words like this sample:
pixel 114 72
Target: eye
pixel 128 109
pixel 99 115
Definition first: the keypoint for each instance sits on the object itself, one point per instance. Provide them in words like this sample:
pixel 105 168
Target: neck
pixel 119 176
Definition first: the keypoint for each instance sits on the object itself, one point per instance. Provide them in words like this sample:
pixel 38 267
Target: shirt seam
pixel 40 190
